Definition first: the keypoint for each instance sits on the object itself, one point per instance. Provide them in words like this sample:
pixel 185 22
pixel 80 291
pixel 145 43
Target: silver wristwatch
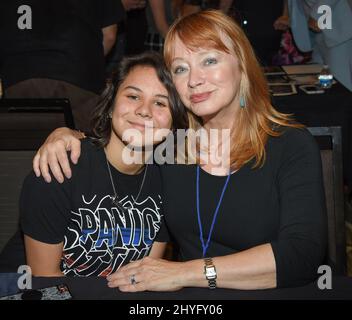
pixel 210 273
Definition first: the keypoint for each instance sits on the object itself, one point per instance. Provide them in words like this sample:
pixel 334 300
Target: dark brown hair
pixel 101 122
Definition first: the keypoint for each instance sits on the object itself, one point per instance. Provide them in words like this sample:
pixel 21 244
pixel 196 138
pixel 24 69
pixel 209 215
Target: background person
pixel 330 46
pixel 62 56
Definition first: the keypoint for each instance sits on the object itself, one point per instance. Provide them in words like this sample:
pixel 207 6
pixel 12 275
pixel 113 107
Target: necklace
pixel 115 198
pixel 206 245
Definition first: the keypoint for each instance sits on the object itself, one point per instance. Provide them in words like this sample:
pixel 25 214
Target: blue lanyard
pixel 205 246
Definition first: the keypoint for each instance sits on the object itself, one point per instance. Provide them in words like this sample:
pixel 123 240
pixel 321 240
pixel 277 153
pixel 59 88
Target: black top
pixel 204 4
pixel 98 237
pixel 281 203
pixel 65 42
pixel 256 19
pixel 135 29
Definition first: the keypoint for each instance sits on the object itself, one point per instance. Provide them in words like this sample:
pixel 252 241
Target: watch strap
pixel 209 264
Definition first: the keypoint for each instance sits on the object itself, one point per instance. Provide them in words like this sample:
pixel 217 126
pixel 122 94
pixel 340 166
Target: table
pixel 96 288
pixel 333 108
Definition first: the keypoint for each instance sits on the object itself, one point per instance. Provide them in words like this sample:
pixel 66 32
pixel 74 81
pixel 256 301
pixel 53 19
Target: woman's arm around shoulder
pixel 53 154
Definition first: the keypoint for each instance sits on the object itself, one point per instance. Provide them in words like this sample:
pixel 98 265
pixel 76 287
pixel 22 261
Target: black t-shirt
pixel 257 19
pixel 65 42
pixel 205 4
pixel 98 237
pixel 281 203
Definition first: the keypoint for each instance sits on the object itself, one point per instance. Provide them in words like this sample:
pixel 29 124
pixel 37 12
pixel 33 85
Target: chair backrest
pixel 329 141
pixel 24 126
pixel 25 123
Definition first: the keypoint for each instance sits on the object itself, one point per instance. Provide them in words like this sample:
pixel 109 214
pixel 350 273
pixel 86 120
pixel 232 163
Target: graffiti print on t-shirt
pixel 102 237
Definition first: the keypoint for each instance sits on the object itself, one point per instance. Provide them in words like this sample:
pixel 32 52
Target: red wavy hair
pixel 258 120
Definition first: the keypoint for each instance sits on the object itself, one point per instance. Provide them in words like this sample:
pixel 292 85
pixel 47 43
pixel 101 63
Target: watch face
pixel 210 272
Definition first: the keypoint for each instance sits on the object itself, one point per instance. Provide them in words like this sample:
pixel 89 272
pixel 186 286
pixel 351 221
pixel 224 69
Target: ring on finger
pixel 133 279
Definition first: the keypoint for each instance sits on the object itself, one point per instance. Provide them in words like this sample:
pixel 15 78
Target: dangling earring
pixel 242 102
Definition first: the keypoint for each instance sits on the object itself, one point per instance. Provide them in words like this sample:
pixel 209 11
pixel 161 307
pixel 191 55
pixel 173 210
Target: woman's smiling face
pixel 142 102
pixel 206 79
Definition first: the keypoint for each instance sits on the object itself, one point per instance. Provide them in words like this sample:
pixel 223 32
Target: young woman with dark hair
pixel 109 213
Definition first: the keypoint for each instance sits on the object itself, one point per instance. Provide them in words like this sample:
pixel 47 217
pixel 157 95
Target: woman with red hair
pixel 257 219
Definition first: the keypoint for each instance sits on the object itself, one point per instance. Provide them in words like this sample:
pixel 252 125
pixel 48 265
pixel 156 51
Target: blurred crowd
pixel 69 47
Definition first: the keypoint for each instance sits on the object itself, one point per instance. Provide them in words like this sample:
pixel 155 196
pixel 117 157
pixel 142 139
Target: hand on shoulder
pixel 53 154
